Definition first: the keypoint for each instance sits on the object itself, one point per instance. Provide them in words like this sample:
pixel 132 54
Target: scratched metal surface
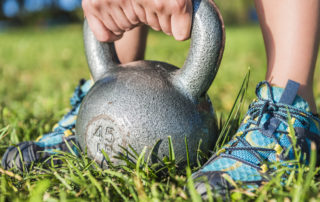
pixel 144 102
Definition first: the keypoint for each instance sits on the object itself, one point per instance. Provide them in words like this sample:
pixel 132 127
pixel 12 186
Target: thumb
pixel 181 21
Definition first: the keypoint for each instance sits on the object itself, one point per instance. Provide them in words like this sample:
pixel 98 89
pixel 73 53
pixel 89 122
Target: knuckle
pixel 134 19
pixel 103 36
pixel 181 36
pixel 139 2
pixel 159 5
pixel 122 28
pixel 85 5
pixel 96 4
pixel 122 2
pixel 180 5
pixel 166 31
pixel 141 17
pixel 116 29
pixel 156 27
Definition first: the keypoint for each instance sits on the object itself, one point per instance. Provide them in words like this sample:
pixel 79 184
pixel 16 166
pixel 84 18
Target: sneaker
pixel 263 138
pixel 62 133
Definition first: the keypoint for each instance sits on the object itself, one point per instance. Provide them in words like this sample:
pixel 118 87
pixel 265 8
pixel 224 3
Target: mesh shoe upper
pixel 264 137
pixel 44 146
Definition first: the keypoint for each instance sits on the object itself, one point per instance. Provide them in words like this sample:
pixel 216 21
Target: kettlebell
pixel 142 103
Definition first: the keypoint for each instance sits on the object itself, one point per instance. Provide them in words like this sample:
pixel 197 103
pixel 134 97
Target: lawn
pixel 39 69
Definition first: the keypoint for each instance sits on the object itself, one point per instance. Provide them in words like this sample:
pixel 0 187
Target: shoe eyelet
pixel 264 168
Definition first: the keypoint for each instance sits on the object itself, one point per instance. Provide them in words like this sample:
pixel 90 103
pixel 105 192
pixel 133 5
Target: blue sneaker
pixel 263 138
pixel 44 146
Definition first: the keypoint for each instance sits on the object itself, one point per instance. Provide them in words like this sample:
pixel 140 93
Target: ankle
pixel 305 91
pixel 307 94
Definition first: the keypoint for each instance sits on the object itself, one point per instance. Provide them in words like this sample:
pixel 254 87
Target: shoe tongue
pixel 257 139
pixel 276 93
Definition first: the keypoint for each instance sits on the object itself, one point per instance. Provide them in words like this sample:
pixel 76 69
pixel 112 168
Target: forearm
pixel 131 46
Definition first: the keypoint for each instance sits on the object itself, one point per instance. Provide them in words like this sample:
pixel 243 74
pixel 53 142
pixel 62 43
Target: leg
pixel 291 30
pixel 132 45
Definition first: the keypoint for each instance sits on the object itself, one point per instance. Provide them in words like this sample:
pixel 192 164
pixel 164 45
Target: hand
pixel 109 19
pixel 173 17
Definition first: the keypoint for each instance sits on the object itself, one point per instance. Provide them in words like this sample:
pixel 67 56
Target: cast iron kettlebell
pixel 142 103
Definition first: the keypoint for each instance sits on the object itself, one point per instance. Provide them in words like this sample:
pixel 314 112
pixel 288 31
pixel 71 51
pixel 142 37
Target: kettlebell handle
pixel 101 57
pixel 201 65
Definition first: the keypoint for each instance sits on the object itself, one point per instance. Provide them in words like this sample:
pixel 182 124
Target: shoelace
pixel 78 95
pixel 75 102
pixel 256 112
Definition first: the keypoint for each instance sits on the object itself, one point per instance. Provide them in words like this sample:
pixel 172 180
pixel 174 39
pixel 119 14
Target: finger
pixel 181 22
pixel 100 31
pixel 165 23
pixel 141 13
pixel 85 7
pixel 101 14
pixel 121 19
pixel 152 20
pixel 110 23
pixel 130 13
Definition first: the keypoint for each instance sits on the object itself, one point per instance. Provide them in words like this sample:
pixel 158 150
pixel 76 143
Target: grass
pixel 39 69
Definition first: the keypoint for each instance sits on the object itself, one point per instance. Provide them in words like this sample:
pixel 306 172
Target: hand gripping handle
pixel 201 65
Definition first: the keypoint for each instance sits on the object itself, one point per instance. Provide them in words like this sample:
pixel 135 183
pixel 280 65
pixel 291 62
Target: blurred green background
pixel 40 66
pixel 48 12
pixel 42 59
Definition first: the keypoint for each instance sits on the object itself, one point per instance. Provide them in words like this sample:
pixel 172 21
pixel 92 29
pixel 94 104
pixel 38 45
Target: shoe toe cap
pixel 217 183
pixel 13 158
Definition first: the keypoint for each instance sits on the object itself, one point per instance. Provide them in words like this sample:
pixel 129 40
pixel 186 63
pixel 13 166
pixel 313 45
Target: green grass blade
pixel 235 111
pixel 118 190
pixel 310 174
pixel 95 182
pixel 69 147
pixel 140 161
pixel 62 180
pixel 107 158
pixel 4 132
pixel 198 153
pixel 172 156
pixel 187 151
pixel 191 189
pixel 36 194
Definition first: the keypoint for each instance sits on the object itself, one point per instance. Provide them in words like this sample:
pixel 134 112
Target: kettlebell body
pixel 140 104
